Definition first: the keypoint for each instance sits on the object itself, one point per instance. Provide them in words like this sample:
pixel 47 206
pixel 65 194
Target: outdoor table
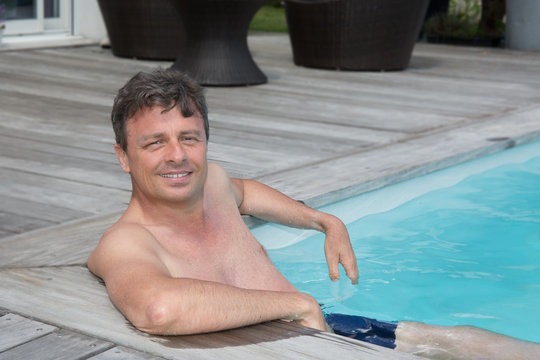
pixel 215 51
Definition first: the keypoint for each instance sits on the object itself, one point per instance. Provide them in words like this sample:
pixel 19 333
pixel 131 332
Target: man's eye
pixel 153 143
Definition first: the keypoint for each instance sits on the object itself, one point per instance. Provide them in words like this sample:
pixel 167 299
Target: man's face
pixel 166 155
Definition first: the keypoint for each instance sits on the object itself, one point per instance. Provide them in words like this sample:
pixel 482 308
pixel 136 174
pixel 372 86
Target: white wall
pixel 87 20
pixel 523 25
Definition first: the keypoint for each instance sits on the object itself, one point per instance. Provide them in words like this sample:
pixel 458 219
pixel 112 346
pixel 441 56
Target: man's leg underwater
pixel 461 342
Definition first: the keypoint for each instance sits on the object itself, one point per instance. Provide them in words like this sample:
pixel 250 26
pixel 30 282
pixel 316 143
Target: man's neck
pixel 181 213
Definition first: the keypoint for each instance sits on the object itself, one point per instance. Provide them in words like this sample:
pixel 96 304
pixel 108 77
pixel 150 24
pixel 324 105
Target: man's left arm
pixel 264 202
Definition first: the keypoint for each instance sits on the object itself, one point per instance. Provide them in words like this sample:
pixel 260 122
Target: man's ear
pixel 122 157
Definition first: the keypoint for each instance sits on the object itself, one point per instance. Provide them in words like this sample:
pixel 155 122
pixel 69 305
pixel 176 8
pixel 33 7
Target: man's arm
pixel 140 286
pixel 264 202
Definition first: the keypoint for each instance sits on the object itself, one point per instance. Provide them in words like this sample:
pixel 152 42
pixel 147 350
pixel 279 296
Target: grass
pixel 269 18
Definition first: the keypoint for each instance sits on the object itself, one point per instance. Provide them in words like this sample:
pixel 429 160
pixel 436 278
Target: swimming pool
pixel 457 247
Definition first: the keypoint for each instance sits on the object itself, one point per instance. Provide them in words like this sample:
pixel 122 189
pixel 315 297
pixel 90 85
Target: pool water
pixel 457 247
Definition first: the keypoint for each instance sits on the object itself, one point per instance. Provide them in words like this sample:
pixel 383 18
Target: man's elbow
pixel 159 317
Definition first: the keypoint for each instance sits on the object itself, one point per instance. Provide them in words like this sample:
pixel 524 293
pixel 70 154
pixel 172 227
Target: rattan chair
pixel 143 29
pixel 216 52
pixel 354 34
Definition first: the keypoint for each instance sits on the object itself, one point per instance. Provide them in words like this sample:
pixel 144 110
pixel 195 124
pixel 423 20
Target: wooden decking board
pixel 50 131
pixel 455 105
pixel 61 245
pixel 68 167
pixel 59 345
pixel 87 68
pixel 72 181
pixel 77 116
pixel 304 126
pixel 406 88
pixel 109 180
pixel 68 196
pixel 316 144
pixel 19 84
pixel 37 210
pixel 122 353
pixel 15 224
pixel 57 155
pixel 382 117
pixel 16 330
pixel 100 146
pixel 83 147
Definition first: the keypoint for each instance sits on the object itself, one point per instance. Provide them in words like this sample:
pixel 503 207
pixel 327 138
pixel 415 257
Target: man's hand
pixel 338 249
pixel 311 315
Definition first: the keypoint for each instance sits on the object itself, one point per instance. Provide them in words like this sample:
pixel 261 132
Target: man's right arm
pixel 140 286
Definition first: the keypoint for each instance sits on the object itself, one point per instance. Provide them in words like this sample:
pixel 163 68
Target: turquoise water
pixel 459 247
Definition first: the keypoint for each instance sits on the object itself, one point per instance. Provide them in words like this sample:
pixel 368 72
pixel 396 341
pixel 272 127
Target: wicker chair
pixel 354 34
pixel 143 29
pixel 216 52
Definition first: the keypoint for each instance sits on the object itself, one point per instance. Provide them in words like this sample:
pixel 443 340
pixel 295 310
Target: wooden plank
pixel 59 345
pixel 57 154
pixel 39 210
pixel 330 111
pixel 66 244
pixel 31 144
pixel 300 127
pixel 16 224
pixel 62 186
pixel 90 64
pixel 16 330
pixel 122 353
pixel 65 294
pixel 102 144
pixel 64 193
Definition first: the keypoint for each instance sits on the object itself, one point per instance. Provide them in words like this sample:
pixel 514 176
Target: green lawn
pixel 269 18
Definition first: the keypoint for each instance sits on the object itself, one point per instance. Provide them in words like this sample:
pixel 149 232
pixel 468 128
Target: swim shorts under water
pixel 365 329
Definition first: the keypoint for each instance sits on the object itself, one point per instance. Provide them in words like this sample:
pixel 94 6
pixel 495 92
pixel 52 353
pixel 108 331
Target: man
pixel 181 260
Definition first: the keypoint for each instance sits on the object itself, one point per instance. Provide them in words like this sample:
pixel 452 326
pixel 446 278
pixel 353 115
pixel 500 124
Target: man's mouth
pixel 174 176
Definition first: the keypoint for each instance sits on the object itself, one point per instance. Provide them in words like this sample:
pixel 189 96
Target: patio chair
pixel 216 51
pixel 143 29
pixel 354 34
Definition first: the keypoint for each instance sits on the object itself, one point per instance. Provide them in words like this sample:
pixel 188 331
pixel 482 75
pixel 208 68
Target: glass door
pixel 24 17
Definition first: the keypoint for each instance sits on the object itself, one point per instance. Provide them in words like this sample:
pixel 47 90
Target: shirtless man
pixel 181 260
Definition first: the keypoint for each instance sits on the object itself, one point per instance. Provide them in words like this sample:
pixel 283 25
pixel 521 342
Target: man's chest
pixel 228 255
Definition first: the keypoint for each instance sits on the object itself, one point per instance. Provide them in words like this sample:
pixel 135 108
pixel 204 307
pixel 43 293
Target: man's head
pixel 166 89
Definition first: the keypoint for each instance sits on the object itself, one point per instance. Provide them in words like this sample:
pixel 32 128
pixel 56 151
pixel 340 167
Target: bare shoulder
pixel 217 173
pixel 226 186
pixel 122 244
pixel 218 178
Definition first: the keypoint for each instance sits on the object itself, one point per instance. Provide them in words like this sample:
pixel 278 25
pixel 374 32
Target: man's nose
pixel 176 152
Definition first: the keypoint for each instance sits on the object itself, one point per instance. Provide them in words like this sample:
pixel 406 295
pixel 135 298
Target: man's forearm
pixel 191 306
pixel 269 204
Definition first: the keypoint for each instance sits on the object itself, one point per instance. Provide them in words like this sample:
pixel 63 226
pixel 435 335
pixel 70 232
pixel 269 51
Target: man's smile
pixel 178 175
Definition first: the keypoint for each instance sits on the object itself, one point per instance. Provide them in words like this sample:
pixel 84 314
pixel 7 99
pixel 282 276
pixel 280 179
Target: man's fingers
pixel 333 268
pixel 350 264
pixel 351 268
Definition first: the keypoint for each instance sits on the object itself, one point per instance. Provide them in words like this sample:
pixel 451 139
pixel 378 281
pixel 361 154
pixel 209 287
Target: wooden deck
pixel 317 135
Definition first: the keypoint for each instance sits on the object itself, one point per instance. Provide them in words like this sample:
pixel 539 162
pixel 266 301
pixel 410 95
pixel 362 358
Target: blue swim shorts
pixel 365 329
